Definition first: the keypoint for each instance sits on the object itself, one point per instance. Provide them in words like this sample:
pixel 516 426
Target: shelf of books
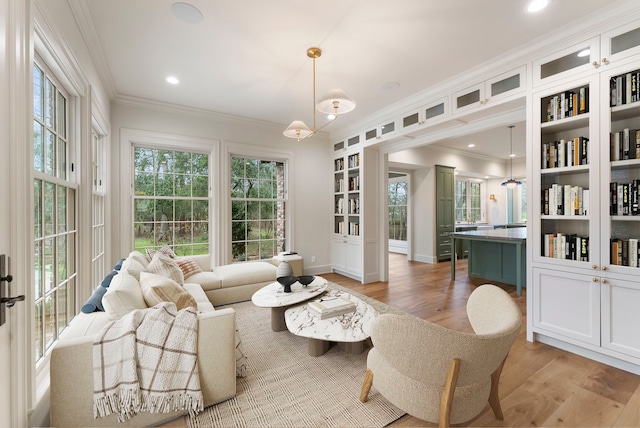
pixel 566 170
pixel 347 195
pixel 623 226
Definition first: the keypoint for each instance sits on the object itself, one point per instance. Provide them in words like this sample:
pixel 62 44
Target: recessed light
pixel 471 145
pixel 173 80
pixel 537 5
pixel 584 52
pixel 186 12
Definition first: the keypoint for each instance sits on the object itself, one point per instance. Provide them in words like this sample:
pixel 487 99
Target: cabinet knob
pixel 421 122
pixel 594 266
pixel 604 61
pixel 604 281
pixel 596 64
pixel 595 280
pixel 604 268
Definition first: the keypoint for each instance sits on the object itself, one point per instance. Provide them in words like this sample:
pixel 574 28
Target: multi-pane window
pixel 517 203
pixel 398 208
pixel 258 201
pixel 171 200
pixel 468 206
pixel 54 216
pixel 97 209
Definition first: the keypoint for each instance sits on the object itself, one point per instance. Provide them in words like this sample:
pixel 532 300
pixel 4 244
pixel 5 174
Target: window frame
pixel 469 183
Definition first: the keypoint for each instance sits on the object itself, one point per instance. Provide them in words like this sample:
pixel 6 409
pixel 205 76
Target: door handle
pixel 6 301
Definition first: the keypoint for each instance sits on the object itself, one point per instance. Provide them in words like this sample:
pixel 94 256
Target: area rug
pixel 285 387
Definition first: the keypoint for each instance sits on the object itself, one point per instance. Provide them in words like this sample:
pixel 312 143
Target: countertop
pixel 511 234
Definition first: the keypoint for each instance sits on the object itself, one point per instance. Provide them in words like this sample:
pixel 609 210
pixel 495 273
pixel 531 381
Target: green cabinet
pixel 445 210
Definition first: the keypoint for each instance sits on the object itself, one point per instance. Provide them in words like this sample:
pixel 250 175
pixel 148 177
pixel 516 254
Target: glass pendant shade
pixel 298 129
pixel 511 183
pixel 335 102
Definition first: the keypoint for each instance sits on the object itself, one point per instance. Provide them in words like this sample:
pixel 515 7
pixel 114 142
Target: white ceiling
pixel 248 57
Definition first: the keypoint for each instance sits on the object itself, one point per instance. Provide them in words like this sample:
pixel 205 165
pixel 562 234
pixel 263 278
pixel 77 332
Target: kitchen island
pixel 495 254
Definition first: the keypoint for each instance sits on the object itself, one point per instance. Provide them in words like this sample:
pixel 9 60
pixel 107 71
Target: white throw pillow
pixel 165 266
pixel 157 289
pixel 123 296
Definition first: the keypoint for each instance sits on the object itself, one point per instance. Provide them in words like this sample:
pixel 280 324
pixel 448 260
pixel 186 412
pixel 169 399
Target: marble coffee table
pixel 273 296
pixel 350 330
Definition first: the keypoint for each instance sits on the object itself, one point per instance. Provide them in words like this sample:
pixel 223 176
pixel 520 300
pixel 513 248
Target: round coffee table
pixel 273 296
pixel 350 330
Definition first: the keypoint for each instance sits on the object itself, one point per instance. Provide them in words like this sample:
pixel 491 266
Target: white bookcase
pixel 588 302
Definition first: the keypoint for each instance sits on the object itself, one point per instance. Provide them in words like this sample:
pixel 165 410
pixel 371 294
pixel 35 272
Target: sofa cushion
pixel 207 280
pixel 123 296
pixel 131 263
pixel 245 273
pixel 165 266
pixel 85 325
pixel 157 289
pixel 139 257
pixel 188 266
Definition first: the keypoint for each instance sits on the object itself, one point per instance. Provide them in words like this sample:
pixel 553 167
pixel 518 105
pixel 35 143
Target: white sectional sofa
pixel 71 366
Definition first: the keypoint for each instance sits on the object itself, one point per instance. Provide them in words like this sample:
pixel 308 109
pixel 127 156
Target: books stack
pixel 328 307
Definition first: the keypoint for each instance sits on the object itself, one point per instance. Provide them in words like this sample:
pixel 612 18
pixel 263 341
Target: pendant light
pixel 511 183
pixel 334 103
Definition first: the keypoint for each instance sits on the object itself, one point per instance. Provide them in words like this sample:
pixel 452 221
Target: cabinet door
pixel 353 262
pixel 567 304
pixel 620 316
pixel 621 43
pixel 568 62
pixel 339 253
pixel 620 172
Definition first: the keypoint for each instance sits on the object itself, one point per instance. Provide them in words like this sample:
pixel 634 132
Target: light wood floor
pixel 540 385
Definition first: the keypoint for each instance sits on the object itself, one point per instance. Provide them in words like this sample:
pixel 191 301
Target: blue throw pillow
pixel 118 265
pixel 94 303
pixel 107 279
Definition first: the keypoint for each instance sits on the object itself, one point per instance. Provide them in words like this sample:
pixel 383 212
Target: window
pixel 398 207
pixel 97 209
pixel 258 202
pixel 54 216
pixel 171 200
pixel 468 206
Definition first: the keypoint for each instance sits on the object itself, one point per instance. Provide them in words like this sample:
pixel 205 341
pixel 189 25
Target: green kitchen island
pixel 495 254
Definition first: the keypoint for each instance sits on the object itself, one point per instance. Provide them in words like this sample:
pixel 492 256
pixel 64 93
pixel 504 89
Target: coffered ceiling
pixel 248 57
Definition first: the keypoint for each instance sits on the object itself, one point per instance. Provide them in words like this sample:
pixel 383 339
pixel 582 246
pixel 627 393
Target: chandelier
pixel 335 102
pixel 511 183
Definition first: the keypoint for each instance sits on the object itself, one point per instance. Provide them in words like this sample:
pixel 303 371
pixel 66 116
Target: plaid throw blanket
pixel 146 362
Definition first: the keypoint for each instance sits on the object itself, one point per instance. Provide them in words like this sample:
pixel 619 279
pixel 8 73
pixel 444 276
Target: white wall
pixel 310 191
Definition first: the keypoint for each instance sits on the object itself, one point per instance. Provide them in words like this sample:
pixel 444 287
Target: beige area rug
pixel 285 387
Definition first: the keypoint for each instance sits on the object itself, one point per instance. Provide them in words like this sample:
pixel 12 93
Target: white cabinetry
pixel 585 290
pixel 354 247
pixel 488 93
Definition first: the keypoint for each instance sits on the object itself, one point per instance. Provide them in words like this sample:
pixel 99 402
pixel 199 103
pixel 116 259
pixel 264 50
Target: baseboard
pixel 425 259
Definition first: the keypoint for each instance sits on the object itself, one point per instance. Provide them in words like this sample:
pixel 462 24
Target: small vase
pixel 284 269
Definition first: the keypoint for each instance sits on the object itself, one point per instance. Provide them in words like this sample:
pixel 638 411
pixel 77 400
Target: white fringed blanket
pixel 147 362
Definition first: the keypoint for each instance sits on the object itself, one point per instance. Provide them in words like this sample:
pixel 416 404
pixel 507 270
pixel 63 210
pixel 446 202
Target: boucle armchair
pixel 441 375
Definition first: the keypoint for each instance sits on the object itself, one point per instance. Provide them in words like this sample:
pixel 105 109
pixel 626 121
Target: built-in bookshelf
pixel 347 194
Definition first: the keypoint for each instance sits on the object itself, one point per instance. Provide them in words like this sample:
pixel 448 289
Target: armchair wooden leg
pixel 447 394
pixel 366 386
pixel 494 399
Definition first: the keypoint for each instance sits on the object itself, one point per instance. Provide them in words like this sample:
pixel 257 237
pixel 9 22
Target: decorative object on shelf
pixel 511 183
pixel 335 102
pixel 284 269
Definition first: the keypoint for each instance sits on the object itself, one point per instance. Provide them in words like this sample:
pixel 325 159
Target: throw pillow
pixel 165 266
pixel 139 257
pixel 94 303
pixel 165 249
pixel 157 289
pixel 188 266
pixel 123 296
pixel 107 279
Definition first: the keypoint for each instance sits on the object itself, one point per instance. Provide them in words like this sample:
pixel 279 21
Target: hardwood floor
pixel 540 385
